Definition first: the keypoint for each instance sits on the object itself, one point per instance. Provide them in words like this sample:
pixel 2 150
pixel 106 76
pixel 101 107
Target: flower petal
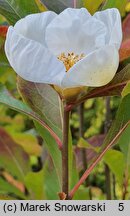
pixel 31 60
pixel 112 20
pixel 74 30
pixel 34 26
pixel 96 69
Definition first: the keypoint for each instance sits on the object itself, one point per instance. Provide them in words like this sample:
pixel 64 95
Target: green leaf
pixel 55 5
pixel 28 142
pixel 51 183
pixel 82 143
pixel 12 157
pixel 51 143
pixel 126 90
pixel 6 197
pixel 82 194
pixel 116 162
pixel 40 5
pixel 116 4
pixel 6 189
pixel 124 143
pixel 74 174
pixel 60 5
pixel 35 185
pixel 4 64
pixel 122 117
pixel 7 99
pixel 91 6
pixel 14 10
pixel 45 101
pixel 52 148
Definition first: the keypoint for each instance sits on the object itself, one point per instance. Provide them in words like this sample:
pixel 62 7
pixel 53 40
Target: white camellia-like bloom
pixel 68 50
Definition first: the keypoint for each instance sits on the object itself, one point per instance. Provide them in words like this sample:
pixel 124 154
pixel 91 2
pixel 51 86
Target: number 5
pixel 121 207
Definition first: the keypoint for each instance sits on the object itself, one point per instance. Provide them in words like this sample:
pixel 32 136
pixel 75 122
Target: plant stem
pixel 81 134
pixel 107 170
pixel 65 168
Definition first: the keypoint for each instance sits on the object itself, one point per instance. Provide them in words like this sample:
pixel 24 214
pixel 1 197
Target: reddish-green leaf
pixel 125 50
pixel 44 130
pixel 28 142
pixel 3 31
pixel 45 101
pixel 7 99
pixel 12 157
pixel 126 27
pixel 92 147
pixel 125 46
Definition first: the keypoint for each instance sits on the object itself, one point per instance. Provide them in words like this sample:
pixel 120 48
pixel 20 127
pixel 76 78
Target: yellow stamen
pixel 70 59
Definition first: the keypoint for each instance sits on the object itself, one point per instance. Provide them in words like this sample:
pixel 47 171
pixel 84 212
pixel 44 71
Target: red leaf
pixel 125 50
pixel 3 31
pixel 126 27
pixel 125 46
pixel 13 159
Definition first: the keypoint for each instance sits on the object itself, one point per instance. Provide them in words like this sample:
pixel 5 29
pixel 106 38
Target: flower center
pixel 70 59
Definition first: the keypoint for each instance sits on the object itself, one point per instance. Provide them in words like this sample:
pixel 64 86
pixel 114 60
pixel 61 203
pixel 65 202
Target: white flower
pixel 42 47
